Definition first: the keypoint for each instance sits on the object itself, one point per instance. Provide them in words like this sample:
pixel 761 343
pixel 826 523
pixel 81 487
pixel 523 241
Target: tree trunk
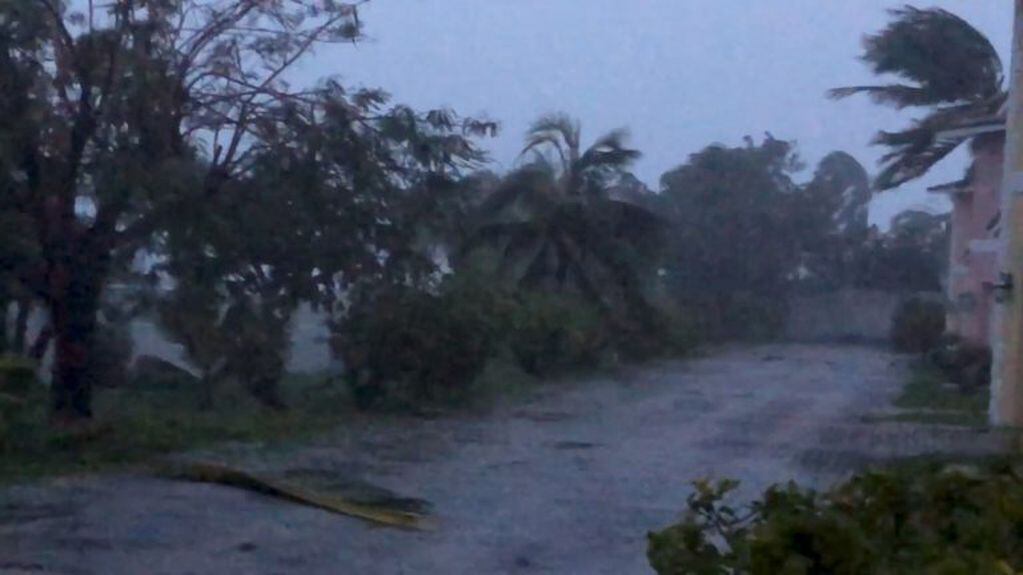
pixel 73 311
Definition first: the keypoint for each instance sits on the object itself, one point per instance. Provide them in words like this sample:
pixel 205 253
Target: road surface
pixel 568 479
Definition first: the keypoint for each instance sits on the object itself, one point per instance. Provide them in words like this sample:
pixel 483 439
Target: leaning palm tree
pixel 557 222
pixel 946 66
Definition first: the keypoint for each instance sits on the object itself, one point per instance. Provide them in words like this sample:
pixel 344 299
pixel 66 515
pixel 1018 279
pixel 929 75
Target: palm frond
pixel 496 233
pixel 628 220
pixel 558 130
pixel 609 151
pixel 530 184
pixel 536 142
pixel 943 63
pixel 896 95
pixel 913 153
pixel 942 56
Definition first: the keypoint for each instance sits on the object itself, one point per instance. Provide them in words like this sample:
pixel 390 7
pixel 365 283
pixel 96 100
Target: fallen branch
pixel 224 475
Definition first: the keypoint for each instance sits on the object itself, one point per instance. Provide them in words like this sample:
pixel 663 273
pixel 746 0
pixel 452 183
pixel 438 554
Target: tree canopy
pixel 942 64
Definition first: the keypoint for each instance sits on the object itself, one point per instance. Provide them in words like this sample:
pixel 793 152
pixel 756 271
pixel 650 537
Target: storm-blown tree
pixel 833 220
pixel 734 244
pixel 943 65
pixel 911 256
pixel 105 110
pixel 337 194
pixel 556 223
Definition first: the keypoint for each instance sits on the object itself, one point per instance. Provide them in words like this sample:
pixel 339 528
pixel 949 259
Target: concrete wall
pixel 973 260
pixel 310 352
pixel 844 315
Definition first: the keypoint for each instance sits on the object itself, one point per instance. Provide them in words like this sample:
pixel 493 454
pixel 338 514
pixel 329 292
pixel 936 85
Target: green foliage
pixel 943 64
pixel 918 325
pixel 559 222
pixel 402 346
pixel 734 248
pixel 553 333
pixel 111 352
pixel 928 397
pixel 136 423
pixel 912 256
pixel 657 329
pixel 832 218
pixel 17 376
pixel 931 519
pixel 20 391
pixel 964 363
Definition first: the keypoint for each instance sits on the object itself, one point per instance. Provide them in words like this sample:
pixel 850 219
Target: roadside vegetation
pixel 155 147
pixel 924 517
pixel 948 381
pixel 921 516
pixel 168 172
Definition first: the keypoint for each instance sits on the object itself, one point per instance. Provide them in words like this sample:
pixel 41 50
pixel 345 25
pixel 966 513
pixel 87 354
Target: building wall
pixel 309 351
pixel 974 259
pixel 860 315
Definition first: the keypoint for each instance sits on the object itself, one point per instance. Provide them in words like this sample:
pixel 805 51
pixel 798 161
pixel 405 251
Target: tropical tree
pixel 943 65
pixel 113 115
pixel 834 219
pixel 911 256
pixel 557 222
pixel 336 195
pixel 734 244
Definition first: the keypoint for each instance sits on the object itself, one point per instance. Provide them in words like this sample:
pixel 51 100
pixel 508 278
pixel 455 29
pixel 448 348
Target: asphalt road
pixel 568 479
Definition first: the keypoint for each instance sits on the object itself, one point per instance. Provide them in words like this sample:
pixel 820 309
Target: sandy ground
pixel 568 479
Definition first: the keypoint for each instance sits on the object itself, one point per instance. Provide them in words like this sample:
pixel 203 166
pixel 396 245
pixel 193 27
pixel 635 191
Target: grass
pixel 927 399
pixel 133 425
pixel 137 424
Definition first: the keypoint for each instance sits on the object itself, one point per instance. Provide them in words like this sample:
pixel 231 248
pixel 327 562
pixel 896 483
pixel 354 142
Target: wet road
pixel 565 480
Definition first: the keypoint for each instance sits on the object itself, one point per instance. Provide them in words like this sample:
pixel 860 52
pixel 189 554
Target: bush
pixel 739 315
pixel 748 315
pixel 111 352
pixel 402 346
pixel 19 394
pixel 918 325
pixel 553 333
pixel 940 519
pixel 150 372
pixel 966 364
pixel 655 331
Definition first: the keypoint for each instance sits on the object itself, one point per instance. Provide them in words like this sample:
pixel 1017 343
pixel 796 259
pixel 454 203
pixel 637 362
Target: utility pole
pixel 1007 342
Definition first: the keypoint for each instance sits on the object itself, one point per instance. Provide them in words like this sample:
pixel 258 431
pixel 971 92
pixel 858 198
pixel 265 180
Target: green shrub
pixel 741 315
pixel 918 325
pixel 402 346
pixel 554 333
pixel 110 354
pixel 938 519
pixel 966 364
pixel 17 376
pixel 655 331
pixel 20 392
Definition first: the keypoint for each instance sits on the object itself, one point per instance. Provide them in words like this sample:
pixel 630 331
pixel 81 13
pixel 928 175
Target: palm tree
pixel 946 66
pixel 556 222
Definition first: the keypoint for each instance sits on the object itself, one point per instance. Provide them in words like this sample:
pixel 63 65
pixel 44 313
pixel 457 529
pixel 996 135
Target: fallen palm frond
pixel 223 475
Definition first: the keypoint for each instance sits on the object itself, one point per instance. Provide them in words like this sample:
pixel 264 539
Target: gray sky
pixel 681 74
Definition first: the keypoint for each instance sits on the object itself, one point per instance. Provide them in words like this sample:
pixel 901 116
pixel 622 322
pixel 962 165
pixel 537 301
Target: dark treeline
pixel 157 144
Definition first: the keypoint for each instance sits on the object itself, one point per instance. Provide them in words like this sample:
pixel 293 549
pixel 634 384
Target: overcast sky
pixel 681 74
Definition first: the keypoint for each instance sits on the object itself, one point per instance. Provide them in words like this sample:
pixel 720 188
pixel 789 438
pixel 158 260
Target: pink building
pixel 973 258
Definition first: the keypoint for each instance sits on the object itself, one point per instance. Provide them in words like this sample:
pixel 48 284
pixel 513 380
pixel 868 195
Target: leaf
pixel 232 477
